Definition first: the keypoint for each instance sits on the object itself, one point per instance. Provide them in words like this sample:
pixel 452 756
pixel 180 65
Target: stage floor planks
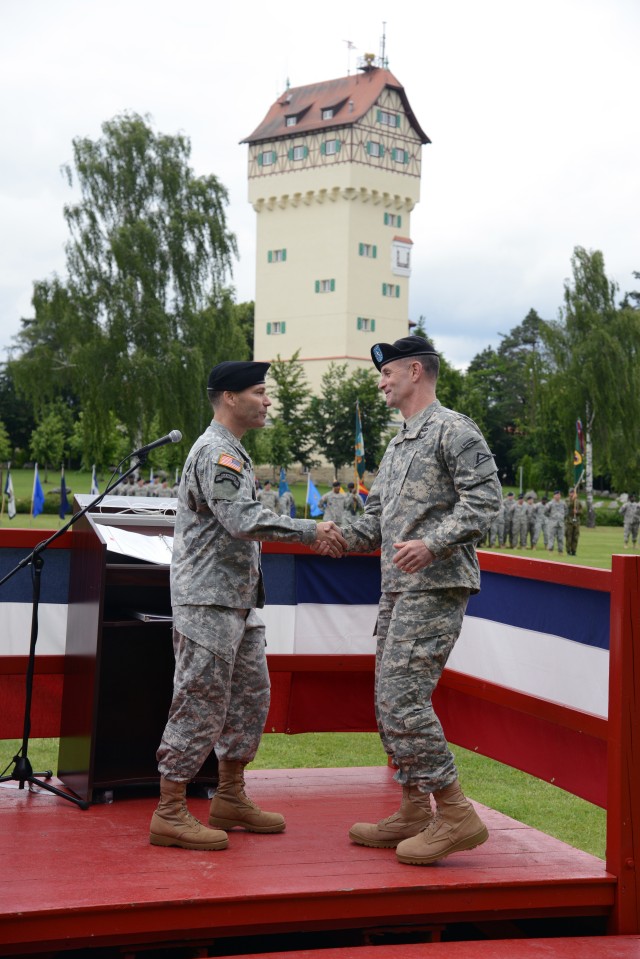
pixel 74 877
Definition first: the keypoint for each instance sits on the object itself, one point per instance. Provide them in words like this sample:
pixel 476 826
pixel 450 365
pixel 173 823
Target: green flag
pixel 359 444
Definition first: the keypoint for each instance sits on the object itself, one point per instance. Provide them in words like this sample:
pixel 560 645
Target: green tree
pixel 5 444
pixel 291 412
pixel 48 441
pixel 333 416
pixel 596 344
pixel 145 311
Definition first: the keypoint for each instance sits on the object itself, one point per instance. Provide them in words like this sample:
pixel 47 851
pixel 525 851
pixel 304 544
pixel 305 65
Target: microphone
pixel 173 437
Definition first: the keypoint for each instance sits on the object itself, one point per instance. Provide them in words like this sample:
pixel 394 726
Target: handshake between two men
pixel 329 540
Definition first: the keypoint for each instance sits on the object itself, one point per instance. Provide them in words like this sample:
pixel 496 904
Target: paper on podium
pixel 152 549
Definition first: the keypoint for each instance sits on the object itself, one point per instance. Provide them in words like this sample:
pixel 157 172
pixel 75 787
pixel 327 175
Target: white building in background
pixel 334 174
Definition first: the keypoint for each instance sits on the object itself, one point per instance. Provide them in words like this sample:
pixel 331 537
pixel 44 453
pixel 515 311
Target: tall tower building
pixel 334 173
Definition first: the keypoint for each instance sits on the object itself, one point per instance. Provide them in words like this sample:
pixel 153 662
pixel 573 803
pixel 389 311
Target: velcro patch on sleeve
pixel 230 462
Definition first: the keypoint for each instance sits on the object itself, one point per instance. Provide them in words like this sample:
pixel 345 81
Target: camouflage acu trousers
pixel 221 703
pixel 416 632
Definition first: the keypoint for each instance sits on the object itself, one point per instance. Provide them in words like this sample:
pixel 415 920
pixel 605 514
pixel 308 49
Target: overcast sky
pixel 532 109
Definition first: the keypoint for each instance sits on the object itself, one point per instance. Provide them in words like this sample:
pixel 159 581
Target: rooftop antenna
pixel 350 46
pixel 383 46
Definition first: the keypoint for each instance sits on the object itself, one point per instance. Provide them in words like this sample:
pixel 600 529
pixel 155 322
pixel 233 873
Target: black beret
pixel 236 375
pixel 336 483
pixel 408 346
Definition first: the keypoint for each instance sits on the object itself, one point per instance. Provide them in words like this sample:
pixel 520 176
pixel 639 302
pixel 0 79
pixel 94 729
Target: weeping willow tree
pixel 145 309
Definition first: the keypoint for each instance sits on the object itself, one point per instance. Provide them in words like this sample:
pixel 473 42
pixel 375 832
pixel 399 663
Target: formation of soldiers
pixel 523 519
pixel 154 487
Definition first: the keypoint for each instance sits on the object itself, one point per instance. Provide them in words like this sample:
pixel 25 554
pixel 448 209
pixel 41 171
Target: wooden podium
pixel 118 675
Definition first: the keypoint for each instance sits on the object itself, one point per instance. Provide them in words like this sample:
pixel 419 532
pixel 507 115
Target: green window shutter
pixel 359 322
pixel 284 327
pixel 373 326
pixel 399 221
pixel 323 148
pixel 379 116
pixel 360 249
pixel 338 145
pixel 259 159
pixel 306 152
pixel 369 147
pixel 268 329
pixel 386 219
pixel 333 285
pixel 290 153
pixel 270 256
pixel 375 252
pixel 284 256
pixel 397 292
pixel 317 286
pixel 381 150
pixel 384 289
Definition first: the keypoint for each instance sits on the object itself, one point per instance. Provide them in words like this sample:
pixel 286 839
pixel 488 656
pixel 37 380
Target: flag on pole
pixel 8 492
pixel 283 486
pixel 64 502
pixel 94 482
pixel 578 455
pixel 37 497
pixel 359 444
pixel 313 497
pixel 363 492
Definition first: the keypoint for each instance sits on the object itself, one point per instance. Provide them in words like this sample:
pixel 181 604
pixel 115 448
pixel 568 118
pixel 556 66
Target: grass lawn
pixel 523 797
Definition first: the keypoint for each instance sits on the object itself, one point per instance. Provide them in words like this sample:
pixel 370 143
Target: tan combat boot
pixel 457 826
pixel 414 815
pixel 232 807
pixel 173 825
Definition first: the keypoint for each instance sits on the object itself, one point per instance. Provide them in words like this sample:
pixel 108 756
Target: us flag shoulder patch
pixel 231 462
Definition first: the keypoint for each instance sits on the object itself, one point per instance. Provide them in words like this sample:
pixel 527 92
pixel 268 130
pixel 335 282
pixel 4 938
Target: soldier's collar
pixel 414 425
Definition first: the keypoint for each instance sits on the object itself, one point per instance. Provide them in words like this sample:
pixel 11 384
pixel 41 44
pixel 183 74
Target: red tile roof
pixel 350 97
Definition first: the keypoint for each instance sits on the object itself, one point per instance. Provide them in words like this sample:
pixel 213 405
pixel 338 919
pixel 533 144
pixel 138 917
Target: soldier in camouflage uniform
pixel 333 503
pixel 540 524
pixel 520 523
pixel 496 529
pixel 352 504
pixel 431 502
pixel 555 513
pixel 268 497
pixel 509 506
pixel 221 682
pixel 631 517
pixel 572 522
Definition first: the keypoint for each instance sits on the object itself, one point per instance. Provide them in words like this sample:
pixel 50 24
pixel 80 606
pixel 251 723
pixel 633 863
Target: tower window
pixel 276 329
pixel 276 256
pixel 388 119
pixel 290 121
pixel 327 114
pixel 375 149
pixel 400 155
pixel 267 158
pixel 298 153
pixel 329 147
pixel 366 325
pixel 392 219
pixel 391 289
pixel 325 286
pixel 367 249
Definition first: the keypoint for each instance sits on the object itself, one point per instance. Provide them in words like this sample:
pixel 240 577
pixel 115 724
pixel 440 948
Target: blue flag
pixel 284 486
pixel 37 498
pixel 64 502
pixel 359 444
pixel 313 497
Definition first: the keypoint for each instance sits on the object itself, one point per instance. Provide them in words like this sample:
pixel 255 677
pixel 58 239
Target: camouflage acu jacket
pixel 216 561
pixel 437 482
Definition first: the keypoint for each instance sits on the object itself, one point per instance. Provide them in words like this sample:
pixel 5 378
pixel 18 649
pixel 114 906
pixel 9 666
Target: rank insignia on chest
pixel 231 462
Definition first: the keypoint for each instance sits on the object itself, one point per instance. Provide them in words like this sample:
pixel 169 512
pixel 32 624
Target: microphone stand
pixel 23 771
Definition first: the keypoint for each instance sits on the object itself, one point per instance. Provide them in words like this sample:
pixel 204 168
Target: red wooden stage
pixel 76 879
